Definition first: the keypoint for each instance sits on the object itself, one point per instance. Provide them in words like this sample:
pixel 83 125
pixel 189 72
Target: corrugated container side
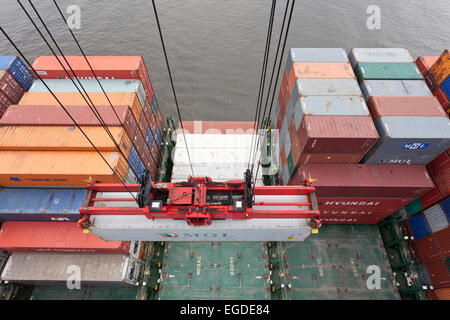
pixel 57 237
pixel 443 100
pixel 430 198
pixel 357 55
pixel 419 226
pixel 326 87
pixel 442 294
pixel 359 180
pixel 404 106
pixel 439 273
pixel 424 63
pixel 10 87
pixel 387 70
pixel 394 88
pixel 315 55
pixel 427 248
pixel 436 218
pixel 445 86
pixel 443 240
pixel 19 71
pixel 441 68
pixel 445 204
pixel 424 277
pixel 43 204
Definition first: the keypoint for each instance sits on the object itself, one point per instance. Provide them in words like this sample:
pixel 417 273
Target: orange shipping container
pixel 321 70
pixel 441 68
pixel 74 98
pixel 59 168
pixel 63 138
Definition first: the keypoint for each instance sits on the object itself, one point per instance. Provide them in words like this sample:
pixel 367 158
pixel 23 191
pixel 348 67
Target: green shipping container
pixel 387 71
pixel 414 207
pixel 290 163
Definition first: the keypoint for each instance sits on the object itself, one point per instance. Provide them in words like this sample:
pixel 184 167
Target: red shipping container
pixel 377 206
pixel 404 106
pixel 328 158
pixel 439 164
pixel 443 240
pixel 10 87
pixel 442 182
pixel 441 294
pixel 443 99
pixel 431 81
pixel 283 96
pixel 424 63
pixel 337 134
pixel 105 67
pixel 430 198
pixel 438 271
pixel 427 248
pixel 366 180
pixel 149 116
pixel 283 155
pixel 57 237
pixel 5 102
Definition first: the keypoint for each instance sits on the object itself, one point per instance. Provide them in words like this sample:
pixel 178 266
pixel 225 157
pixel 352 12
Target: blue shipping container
pixel 41 204
pixel 158 138
pixel 149 138
pixel 135 162
pixel 446 207
pixel 419 226
pixel 19 71
pixel 445 86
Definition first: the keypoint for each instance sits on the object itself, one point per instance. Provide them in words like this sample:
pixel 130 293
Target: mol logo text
pixel 196 235
pixel 169 235
pixel 415 146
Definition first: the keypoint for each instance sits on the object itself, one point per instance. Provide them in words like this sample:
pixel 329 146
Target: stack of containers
pixel 321 114
pixel 15 79
pixel 412 126
pixel 431 244
pixel 363 193
pixel 133 125
pixel 438 79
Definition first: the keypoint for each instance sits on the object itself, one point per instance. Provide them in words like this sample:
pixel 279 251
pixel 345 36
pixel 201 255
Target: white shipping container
pixel 95 269
pixel 357 55
pixel 436 218
pixel 325 87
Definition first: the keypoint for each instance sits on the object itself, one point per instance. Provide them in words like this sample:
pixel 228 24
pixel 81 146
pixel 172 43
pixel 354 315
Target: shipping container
pixel 49 268
pixel 360 180
pixel 105 67
pixel 319 70
pixel 325 87
pixel 358 55
pixel 91 85
pixel 60 168
pixel 419 227
pixel 441 68
pixel 436 218
pixel 439 164
pixel 427 248
pixel 439 273
pixel 387 70
pixel 55 237
pixel 404 106
pixel 10 87
pixel 394 88
pixel 74 98
pixel 445 86
pixel 5 102
pixel 52 138
pixel 375 206
pixel 424 63
pixel 40 204
pixel 443 240
pixel 416 139
pixel 445 204
pixel 430 198
pixel 315 55
pixel 18 70
pixel 423 276
pixel 443 100
pixel 350 219
pixel 337 134
pixel 431 82
pixel 327 157
pixel 442 294
pixel 330 106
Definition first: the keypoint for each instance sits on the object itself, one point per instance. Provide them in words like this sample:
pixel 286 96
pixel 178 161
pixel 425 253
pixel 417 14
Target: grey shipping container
pixel 374 157
pixel 48 268
pixel 423 276
pixel 413 137
pixel 357 55
pixel 329 106
pixel 326 87
pixel 436 218
pixel 394 88
pixel 315 55
pixel 41 204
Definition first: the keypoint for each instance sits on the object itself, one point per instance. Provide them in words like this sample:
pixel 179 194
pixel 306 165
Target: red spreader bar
pixel 199 201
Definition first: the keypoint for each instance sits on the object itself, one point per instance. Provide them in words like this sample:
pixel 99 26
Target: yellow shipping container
pixel 59 168
pixel 62 138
